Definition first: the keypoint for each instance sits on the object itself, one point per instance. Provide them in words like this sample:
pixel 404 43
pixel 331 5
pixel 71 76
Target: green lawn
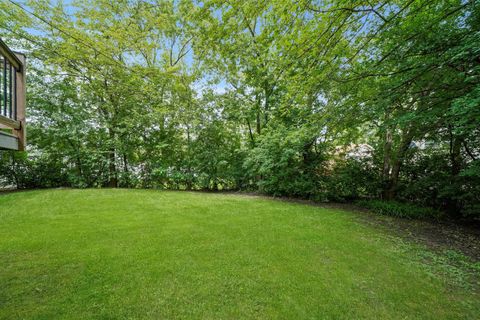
pixel 140 254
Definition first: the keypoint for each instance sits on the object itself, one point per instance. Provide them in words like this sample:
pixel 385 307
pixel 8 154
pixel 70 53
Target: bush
pixel 427 180
pixel 285 163
pixel 351 179
pixel 398 209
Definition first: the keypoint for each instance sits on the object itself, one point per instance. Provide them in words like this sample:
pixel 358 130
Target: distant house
pixel 354 151
pixel 12 99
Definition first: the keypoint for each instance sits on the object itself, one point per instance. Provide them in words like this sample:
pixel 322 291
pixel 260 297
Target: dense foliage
pixel 329 100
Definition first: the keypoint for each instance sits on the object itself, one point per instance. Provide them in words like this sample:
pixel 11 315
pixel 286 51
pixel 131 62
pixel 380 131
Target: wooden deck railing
pixel 12 99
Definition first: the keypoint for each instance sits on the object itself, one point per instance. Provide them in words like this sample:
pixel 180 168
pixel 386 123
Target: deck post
pixel 20 98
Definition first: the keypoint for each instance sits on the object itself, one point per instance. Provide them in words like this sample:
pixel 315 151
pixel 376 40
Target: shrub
pixel 286 163
pixel 352 179
pixel 398 209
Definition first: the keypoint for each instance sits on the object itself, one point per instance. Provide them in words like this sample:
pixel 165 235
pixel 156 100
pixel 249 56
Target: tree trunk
pixel 392 184
pixel 125 170
pixel 455 155
pixel 78 160
pixel 266 105
pixel 259 124
pixel 189 167
pixel 387 158
pixel 252 139
pixel 112 168
pixel 452 205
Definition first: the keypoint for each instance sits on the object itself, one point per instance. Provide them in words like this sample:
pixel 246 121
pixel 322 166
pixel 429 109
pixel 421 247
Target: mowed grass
pixel 144 254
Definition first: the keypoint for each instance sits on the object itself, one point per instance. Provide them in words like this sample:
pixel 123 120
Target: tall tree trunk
pixel 78 160
pixel 266 105
pixel 112 168
pixel 189 167
pixel 452 205
pixel 252 139
pixel 455 155
pixel 387 158
pixel 125 170
pixel 392 185
pixel 259 124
